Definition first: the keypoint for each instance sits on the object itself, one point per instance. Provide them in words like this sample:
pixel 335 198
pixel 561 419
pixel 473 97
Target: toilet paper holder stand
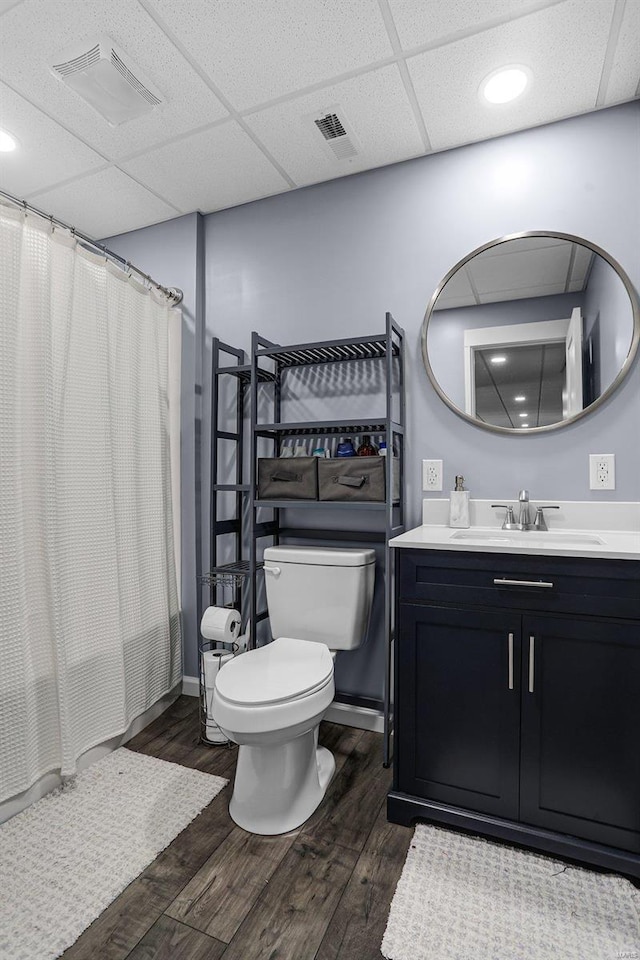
pixel 210 733
pixel 230 581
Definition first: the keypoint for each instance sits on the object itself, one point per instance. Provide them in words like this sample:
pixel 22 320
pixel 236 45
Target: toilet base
pixel 278 786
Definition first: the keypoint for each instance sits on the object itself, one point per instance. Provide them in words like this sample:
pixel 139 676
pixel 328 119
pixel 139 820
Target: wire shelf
pixel 229 574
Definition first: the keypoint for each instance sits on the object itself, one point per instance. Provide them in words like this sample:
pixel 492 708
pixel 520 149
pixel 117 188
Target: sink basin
pixel 532 537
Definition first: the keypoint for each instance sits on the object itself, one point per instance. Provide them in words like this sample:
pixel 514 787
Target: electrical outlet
pixel 602 471
pixel 432 474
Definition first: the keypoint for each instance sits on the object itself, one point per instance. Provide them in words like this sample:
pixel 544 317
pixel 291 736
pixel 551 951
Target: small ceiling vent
pixel 101 75
pixel 333 130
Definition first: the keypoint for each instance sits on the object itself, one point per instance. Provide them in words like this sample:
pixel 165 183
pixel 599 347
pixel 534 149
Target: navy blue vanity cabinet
pixel 459 707
pixel 518 700
pixel 581 728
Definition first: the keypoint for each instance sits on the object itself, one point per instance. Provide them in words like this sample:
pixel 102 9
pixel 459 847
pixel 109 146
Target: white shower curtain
pixel 89 613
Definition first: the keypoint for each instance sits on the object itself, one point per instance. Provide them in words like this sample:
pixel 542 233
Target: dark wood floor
pixel 321 892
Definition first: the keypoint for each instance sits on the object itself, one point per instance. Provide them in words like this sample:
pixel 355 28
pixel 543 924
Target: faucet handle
pixel 540 523
pixel 509 518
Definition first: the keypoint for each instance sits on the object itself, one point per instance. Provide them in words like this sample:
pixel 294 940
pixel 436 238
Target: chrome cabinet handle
pixel 503 582
pixel 532 654
pixel 510 661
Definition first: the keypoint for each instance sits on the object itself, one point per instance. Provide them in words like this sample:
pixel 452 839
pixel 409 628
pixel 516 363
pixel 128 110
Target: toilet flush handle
pixel 274 571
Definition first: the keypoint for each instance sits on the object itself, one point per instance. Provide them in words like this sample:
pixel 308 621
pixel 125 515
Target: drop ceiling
pixel 242 82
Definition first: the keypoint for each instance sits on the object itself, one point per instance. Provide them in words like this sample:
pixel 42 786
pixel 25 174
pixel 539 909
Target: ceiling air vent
pixel 333 130
pixel 101 75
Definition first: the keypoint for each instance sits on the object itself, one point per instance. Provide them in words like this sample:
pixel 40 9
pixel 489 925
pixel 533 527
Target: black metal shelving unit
pixel 269 365
pixel 227 581
pixel 270 358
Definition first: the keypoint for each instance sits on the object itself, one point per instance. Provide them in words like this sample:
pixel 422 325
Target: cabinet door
pixel 581 728
pixel 458 707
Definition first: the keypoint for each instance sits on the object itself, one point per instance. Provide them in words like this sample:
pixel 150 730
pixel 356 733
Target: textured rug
pixel 64 859
pixel 462 898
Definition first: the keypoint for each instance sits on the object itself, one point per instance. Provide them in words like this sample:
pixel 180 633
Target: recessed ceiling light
pixel 520 398
pixel 505 84
pixel 7 142
pixel 523 414
pixel 498 359
pixel 523 425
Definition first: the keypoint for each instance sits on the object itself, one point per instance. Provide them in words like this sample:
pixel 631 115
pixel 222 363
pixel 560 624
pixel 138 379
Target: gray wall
pixel 607 318
pixel 171 253
pixel 329 260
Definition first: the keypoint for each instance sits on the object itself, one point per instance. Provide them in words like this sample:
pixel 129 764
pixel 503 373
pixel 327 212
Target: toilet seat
pixel 280 672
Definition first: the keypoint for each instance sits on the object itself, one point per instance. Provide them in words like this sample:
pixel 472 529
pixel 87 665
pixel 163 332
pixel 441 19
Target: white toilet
pixel 271 700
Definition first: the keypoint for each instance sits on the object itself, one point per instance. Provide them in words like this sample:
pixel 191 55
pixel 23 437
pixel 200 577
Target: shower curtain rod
pixel 173 293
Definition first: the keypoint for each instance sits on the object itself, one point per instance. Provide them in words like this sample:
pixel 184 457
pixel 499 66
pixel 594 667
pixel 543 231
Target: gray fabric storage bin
pixel 352 478
pixel 288 478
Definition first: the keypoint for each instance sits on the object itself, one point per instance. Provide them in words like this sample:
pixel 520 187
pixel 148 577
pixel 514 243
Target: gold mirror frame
pixel 635 339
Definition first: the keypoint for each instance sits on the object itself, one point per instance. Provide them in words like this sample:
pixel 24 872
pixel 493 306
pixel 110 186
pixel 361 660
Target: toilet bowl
pixel 270 700
pixel 271 703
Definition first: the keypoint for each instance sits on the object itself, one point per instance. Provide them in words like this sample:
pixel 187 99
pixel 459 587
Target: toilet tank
pixel 320 594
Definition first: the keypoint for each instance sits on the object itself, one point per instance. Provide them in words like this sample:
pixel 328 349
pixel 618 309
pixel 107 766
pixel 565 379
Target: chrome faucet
pixel 524 521
pixel 524 517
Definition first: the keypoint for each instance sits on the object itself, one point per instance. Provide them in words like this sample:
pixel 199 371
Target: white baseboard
pixel 364 718
pixel 190 687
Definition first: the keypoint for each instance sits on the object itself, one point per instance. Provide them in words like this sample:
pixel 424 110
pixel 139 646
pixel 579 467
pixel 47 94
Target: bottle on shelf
pixel 346 448
pixel 366 448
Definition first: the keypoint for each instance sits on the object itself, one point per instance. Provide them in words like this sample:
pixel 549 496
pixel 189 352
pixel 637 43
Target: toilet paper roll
pixel 212 662
pixel 220 624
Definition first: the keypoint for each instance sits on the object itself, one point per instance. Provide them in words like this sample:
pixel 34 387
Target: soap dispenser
pixel 459 505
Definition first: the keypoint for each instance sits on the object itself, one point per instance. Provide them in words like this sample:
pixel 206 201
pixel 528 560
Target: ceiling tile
pixel 104 204
pixel 520 268
pixel 52 26
pixel 625 70
pixel 217 168
pixel 7 4
pixel 46 153
pixel 373 107
pixel 421 22
pixel 255 52
pixel 564 46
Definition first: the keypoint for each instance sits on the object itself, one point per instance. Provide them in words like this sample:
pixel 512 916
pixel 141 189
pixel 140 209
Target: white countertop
pixel 611 544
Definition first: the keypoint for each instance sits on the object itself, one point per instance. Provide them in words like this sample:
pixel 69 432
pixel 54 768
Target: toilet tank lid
pixel 321 556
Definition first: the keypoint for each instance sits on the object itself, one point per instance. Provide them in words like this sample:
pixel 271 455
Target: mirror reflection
pixel 529 332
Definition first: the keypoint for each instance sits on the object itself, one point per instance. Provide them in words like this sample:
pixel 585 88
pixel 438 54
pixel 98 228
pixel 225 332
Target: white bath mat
pixel 64 859
pixel 462 898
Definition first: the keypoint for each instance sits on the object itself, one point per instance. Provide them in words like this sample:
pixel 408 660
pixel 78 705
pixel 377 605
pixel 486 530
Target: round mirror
pixel 530 332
